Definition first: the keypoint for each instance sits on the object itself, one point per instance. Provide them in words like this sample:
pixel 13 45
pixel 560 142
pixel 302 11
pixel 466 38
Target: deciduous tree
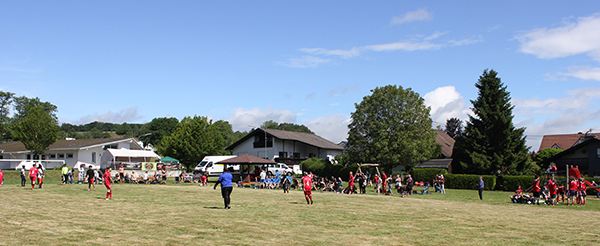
pixel 37 129
pixel 392 126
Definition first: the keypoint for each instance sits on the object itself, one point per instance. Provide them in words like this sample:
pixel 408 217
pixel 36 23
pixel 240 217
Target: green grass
pixel 187 214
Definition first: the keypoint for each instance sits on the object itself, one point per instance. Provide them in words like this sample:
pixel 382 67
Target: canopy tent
pixel 112 156
pixel 247 160
pixel 168 159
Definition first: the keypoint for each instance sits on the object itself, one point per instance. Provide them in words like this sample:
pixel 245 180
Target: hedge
pixel 427 174
pixel 511 183
pixel 469 181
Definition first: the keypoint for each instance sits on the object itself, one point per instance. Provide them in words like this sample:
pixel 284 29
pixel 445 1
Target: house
pixel 102 152
pixel 445 160
pixel 563 141
pixel 286 147
pixel 585 154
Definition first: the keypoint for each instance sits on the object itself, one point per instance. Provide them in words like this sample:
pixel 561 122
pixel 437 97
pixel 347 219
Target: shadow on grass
pixel 213 207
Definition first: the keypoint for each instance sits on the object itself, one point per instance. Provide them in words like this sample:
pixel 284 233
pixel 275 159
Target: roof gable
pixel 307 138
pixel 562 141
pixel 446 141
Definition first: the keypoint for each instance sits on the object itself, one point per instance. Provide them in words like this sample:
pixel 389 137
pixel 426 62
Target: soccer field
pixel 188 214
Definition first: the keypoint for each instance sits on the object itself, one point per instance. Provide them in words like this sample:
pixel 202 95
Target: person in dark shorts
pixel 537 191
pixel 226 186
pixel 89 176
pixel 480 186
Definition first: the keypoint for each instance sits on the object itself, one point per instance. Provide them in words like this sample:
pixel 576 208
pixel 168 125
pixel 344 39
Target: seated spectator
pixel 145 177
pixel 127 179
pixel 516 198
pixel 134 178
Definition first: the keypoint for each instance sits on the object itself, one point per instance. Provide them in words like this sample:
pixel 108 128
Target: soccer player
pixel 226 186
pixel 351 184
pixel 572 192
pixel 33 176
pixel 1 177
pixel 582 192
pixel 107 183
pixel 89 176
pixel 536 190
pixel 307 182
pixel 553 189
pixel 561 194
pixel 23 179
pixel 40 175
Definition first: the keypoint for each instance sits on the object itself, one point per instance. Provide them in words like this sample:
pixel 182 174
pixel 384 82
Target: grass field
pixel 191 215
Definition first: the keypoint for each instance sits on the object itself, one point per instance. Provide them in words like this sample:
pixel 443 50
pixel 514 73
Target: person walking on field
pixel 89 176
pixel 536 190
pixel 65 174
pixel 1 177
pixel 33 176
pixel 480 186
pixel 307 182
pixel 351 184
pixel 442 181
pixel 107 183
pixel 40 175
pixel 226 186
pixel 23 179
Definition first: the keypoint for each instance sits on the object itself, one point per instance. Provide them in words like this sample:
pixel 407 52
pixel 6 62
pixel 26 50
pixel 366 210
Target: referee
pixel 226 186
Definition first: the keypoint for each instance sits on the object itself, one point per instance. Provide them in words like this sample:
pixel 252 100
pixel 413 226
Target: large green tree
pixel 160 128
pixel 194 138
pixel 454 128
pixel 37 130
pixel 392 126
pixel 491 143
pixel 6 99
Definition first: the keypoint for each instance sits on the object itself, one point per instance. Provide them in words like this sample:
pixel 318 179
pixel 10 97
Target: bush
pixel 427 174
pixel 511 183
pixel 314 165
pixel 469 181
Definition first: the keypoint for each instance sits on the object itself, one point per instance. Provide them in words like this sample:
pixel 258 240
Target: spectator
pixel 23 179
pixel 65 174
pixel 442 181
pixel 480 186
pixel 145 177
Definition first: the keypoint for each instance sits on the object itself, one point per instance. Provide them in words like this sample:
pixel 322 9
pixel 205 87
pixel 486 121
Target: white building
pixel 98 152
pixel 285 146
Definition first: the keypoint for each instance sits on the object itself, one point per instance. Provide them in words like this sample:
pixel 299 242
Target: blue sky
pixel 304 62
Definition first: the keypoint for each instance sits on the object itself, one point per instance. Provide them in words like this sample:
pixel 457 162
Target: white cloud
pixel 310 96
pixel 580 37
pixel 571 121
pixel 341 53
pixel 446 103
pixel 417 15
pixel 333 128
pixel 435 35
pixel 125 115
pixel 305 62
pixel 465 41
pixel 341 90
pixel 408 46
pixel 242 117
pixel 554 103
pixel 584 72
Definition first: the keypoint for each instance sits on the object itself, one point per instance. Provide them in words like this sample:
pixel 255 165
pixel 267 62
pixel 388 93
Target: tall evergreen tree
pixel 491 142
pixel 454 127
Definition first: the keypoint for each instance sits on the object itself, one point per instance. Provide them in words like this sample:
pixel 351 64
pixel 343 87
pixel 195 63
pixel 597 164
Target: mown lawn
pixel 189 214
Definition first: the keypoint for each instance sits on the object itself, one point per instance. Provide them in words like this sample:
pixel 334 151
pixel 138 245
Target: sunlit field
pixel 187 214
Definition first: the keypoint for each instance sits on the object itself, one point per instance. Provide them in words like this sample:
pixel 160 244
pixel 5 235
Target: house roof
pixel 446 141
pixel 16 146
pixel 573 149
pixel 307 138
pixel 562 141
pixel 435 163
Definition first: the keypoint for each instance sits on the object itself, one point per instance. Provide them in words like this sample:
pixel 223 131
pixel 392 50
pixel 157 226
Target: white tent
pixel 126 155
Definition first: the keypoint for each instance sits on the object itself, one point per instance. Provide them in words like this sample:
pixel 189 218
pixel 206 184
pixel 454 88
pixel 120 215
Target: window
pixel 282 154
pixel 93 157
pixel 28 157
pixel 69 155
pixel 61 156
pixel 52 156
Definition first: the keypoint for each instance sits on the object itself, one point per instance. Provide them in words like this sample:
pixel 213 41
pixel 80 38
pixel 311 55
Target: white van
pixel 209 165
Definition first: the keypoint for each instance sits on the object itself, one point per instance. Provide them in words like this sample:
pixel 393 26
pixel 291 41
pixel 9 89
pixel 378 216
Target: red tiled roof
pixel 562 141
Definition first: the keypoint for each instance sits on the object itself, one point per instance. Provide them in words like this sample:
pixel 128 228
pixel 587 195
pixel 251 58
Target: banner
pixel 148 166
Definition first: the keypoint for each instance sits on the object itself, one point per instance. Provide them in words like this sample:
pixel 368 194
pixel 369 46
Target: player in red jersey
pixel 553 189
pixel 107 183
pixel 582 191
pixel 1 177
pixel 307 182
pixel 536 190
pixel 33 176
pixel 351 184
pixel 572 192
pixel 561 193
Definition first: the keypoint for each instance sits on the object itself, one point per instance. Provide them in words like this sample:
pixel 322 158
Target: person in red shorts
pixel 89 176
pixel 33 176
pixel 307 182
pixel 572 192
pixel 553 189
pixel 582 192
pixel 40 175
pixel 107 183
pixel 1 177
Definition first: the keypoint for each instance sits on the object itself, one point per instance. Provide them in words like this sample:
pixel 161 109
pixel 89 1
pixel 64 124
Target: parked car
pixel 273 168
